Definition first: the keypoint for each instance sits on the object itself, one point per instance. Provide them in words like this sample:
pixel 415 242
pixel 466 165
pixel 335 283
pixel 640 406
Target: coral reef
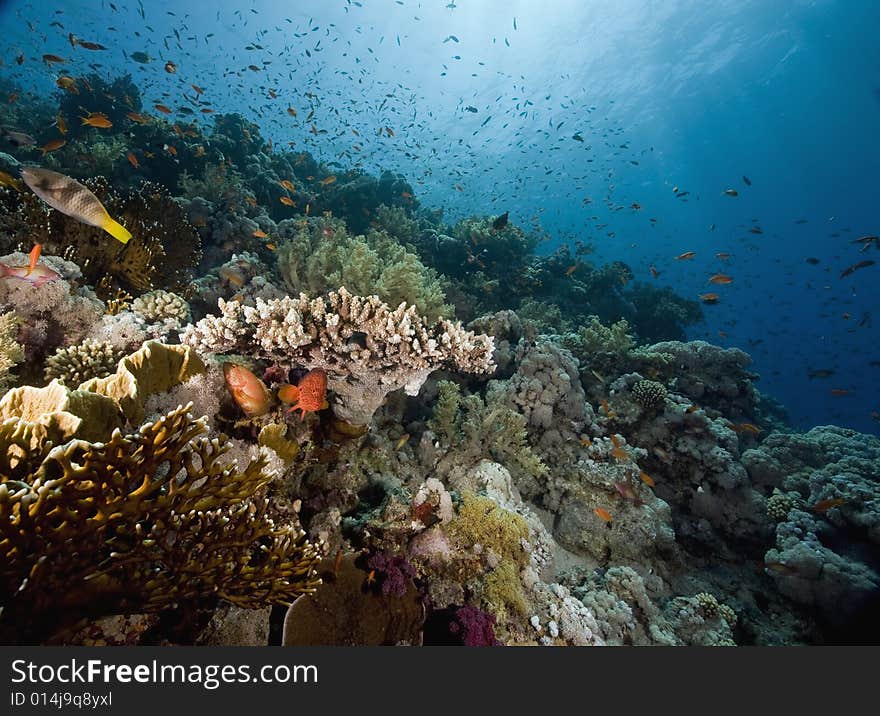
pixel 366 349
pixel 162 252
pixel 76 364
pixel 828 512
pixel 169 523
pixel 320 255
pixel 11 351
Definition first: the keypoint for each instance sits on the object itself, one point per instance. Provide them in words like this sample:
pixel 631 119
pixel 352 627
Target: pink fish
pixel 36 276
pixel 627 492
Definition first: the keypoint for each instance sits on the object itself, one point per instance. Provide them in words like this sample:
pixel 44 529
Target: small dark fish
pixel 577 137
pixel 812 260
pixel 501 221
pixel 141 57
pixel 470 108
pixel 867 242
pixel 747 181
pixel 855 267
pixel 820 373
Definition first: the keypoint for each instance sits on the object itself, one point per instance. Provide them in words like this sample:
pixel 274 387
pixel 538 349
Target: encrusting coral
pixel 137 523
pixel 367 349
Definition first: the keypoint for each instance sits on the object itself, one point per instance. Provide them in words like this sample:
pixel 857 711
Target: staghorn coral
pixel 367 349
pixel 163 249
pixel 321 255
pixel 137 523
pixel 76 364
pixel 11 351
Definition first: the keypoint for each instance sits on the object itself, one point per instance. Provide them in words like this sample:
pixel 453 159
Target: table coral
pixel 367 349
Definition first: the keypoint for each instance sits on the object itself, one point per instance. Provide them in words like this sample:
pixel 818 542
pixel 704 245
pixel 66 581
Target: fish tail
pixel 116 230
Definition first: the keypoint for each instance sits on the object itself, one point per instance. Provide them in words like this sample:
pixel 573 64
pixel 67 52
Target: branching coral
pixel 471 429
pixel 78 363
pixel 367 349
pixel 137 523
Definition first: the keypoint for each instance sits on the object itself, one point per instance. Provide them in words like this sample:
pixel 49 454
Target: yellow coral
pixel 138 523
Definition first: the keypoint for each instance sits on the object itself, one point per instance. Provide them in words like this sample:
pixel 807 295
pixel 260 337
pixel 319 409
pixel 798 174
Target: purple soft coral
pixel 395 571
pixel 474 627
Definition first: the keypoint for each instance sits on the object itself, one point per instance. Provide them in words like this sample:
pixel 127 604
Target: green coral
pixel 218 181
pixel 11 351
pixel 445 420
pixel 395 222
pixel 501 535
pixel 471 428
pixel 481 520
pixel 322 256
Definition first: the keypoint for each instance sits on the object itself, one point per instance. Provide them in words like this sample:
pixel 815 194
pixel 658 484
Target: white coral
pixel 367 349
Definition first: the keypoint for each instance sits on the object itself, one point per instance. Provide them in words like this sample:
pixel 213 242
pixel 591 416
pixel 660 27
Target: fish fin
pixel 116 230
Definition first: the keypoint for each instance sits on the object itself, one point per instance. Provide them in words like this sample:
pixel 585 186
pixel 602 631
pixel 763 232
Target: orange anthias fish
pixel 52 145
pixel 709 297
pixel 248 391
pixel 97 119
pixel 720 278
pixel 309 396
pixel 603 514
pixel 686 256
pixel 617 451
pixel 286 200
pixel 33 257
pixel 823 506
pixel 133 160
pixel 135 117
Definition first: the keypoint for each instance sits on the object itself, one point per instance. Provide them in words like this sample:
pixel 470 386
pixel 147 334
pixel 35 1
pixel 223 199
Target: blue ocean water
pixel 618 123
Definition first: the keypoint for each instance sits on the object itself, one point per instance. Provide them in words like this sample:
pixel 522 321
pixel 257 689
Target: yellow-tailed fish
pixel 70 197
